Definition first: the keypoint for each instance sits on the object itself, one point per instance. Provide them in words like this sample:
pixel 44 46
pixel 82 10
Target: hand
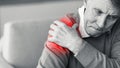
pixel 65 36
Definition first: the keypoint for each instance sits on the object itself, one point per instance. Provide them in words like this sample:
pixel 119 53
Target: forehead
pixel 104 5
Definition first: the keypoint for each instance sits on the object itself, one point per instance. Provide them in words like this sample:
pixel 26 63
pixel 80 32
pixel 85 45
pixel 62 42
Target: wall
pixel 36 11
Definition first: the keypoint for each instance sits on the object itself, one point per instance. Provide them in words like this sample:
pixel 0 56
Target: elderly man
pixel 99 46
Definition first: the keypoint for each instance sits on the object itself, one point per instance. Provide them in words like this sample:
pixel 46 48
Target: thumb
pixel 75 26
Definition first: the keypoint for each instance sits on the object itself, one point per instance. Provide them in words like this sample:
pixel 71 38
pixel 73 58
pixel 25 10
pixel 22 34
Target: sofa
pixel 23 41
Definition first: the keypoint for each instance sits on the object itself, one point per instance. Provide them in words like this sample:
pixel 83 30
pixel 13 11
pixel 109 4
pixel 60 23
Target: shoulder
pixel 74 15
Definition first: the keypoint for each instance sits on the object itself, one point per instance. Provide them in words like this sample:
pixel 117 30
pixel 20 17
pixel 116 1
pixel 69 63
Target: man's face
pixel 100 16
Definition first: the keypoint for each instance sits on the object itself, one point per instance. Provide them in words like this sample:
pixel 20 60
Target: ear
pixel 85 5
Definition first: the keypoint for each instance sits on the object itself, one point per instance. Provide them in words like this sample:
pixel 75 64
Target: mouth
pixel 96 28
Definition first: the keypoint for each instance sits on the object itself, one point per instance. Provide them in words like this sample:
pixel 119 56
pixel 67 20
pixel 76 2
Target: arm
pixel 92 58
pixel 87 55
pixel 52 57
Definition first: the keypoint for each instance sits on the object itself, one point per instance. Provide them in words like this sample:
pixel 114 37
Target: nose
pixel 101 22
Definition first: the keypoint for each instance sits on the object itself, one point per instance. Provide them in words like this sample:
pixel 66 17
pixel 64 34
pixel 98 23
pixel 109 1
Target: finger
pixel 59 23
pixel 62 25
pixel 51 32
pixel 75 26
pixel 58 28
pixel 58 35
pixel 53 39
pixel 56 31
pixel 57 41
pixel 53 27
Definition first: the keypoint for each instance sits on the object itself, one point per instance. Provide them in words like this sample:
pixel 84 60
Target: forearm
pixel 92 58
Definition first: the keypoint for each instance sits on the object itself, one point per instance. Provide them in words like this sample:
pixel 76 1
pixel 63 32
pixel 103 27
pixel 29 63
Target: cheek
pixel 89 17
pixel 109 24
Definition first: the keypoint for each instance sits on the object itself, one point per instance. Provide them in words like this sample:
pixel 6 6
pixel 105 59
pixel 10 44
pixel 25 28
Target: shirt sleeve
pixel 53 57
pixel 90 57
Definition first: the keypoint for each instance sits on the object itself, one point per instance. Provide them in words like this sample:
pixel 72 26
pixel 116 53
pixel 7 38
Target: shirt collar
pixel 81 23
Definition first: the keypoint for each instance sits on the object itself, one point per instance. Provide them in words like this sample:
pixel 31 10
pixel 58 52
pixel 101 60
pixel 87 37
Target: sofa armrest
pixel 24 42
pixel 3 62
pixel 1 43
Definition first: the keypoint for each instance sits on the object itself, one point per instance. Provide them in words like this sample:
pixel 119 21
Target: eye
pixel 113 17
pixel 97 12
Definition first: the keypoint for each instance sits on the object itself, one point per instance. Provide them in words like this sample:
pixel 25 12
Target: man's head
pixel 100 16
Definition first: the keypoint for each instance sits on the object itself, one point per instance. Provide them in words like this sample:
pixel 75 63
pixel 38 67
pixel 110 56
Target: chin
pixel 94 34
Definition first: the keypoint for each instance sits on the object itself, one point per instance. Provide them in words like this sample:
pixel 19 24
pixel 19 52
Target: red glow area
pixel 69 21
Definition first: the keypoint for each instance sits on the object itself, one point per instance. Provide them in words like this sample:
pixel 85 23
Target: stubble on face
pixel 92 19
